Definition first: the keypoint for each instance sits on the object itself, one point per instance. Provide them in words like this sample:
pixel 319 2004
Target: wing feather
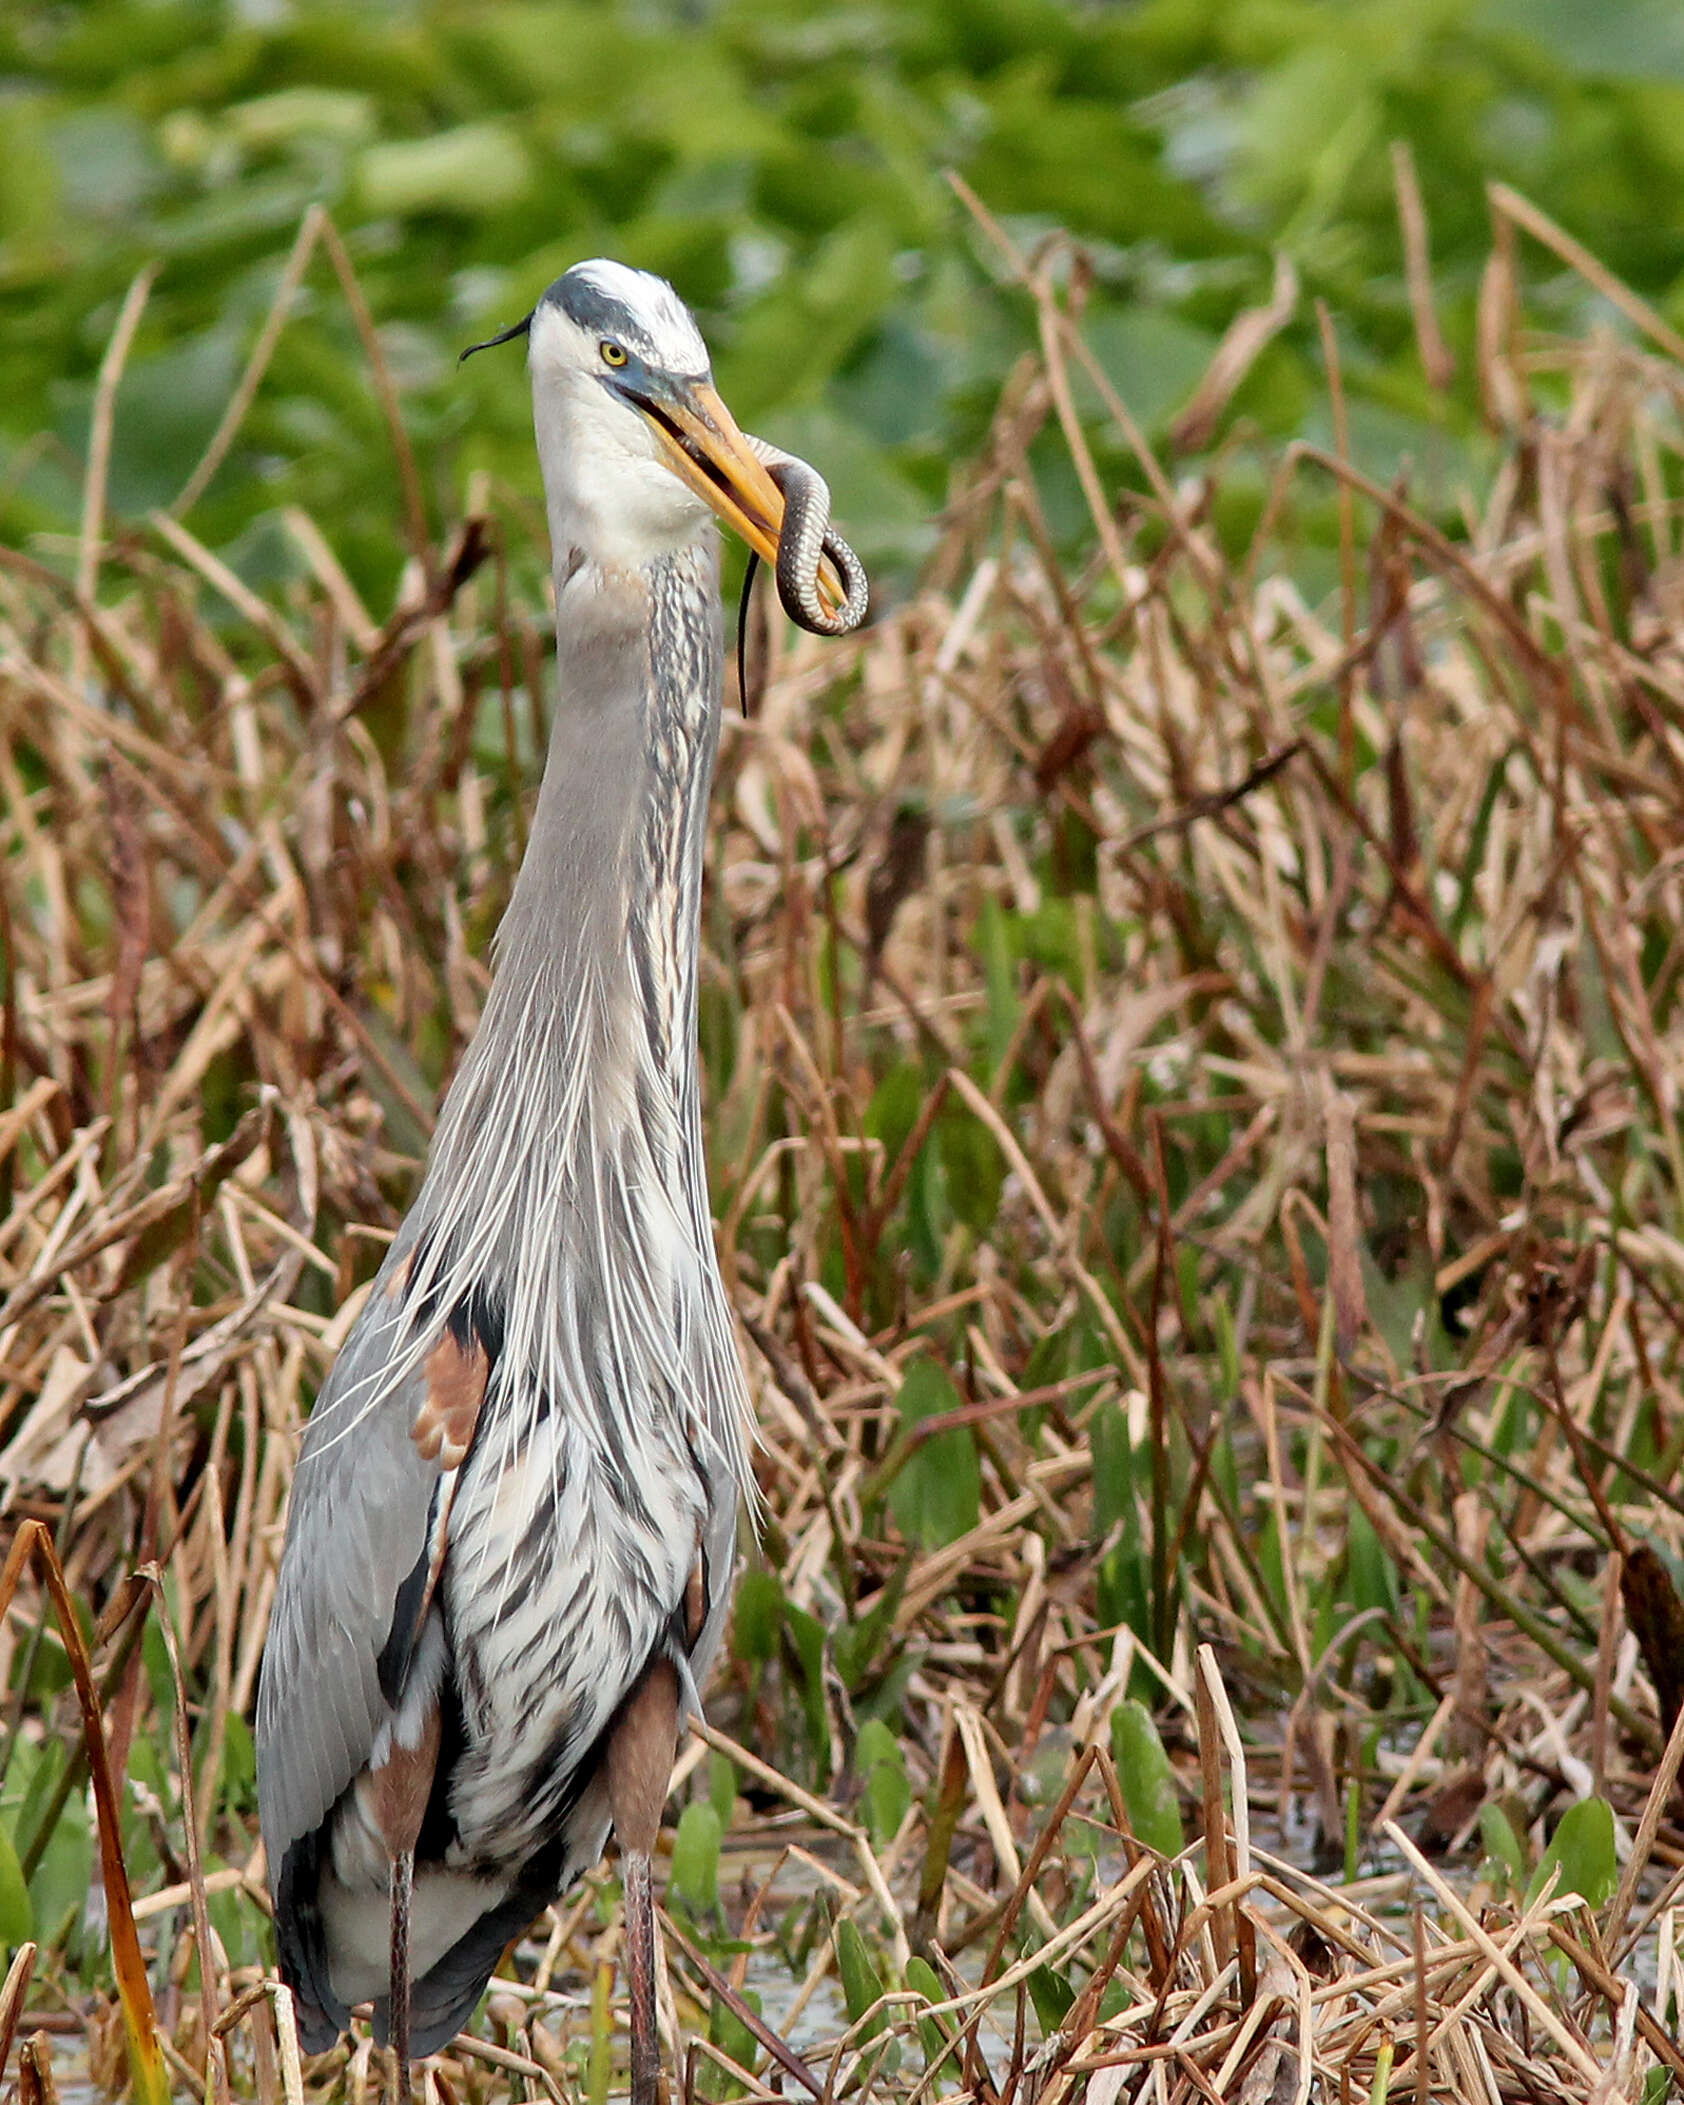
pixel 356 1526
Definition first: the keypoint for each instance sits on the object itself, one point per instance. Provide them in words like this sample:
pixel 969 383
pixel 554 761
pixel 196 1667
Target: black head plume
pixel 504 336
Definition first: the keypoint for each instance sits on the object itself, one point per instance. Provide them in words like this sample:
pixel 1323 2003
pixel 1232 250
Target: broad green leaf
pixel 936 1495
pixel 1372 1577
pixel 239 1764
pixel 857 1645
pixel 1052 1995
pixel 876 1743
pixel 972 1167
pixel 1583 1845
pixel 694 1878
pixel 473 169
pixel 993 946
pixel 291 113
pixel 722 1786
pixel 1147 1778
pixel 58 1891
pixel 1122 1590
pixel 1500 1841
pixel 17 1917
pixel 882 1768
pixel 1227 1344
pixel 861 1986
pixel 807 1636
pixel 29 188
pixel 1638 40
pixel 921 1978
pixel 895 1105
pixel 1153 357
pixel 1113 1467
pixel 757 1616
pixel 888 1797
pixel 235 1922
pixel 728 2032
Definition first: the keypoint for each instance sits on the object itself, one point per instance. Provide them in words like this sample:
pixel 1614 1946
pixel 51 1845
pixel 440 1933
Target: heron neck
pixel 565 1211
pixel 596 957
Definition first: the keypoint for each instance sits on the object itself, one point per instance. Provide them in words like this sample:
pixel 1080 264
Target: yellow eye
pixel 612 353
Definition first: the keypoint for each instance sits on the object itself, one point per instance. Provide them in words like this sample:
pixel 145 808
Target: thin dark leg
pixel 646 2085
pixel 403 1878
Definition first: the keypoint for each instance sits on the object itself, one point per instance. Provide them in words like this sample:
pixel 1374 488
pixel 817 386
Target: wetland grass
pixel 1193 1021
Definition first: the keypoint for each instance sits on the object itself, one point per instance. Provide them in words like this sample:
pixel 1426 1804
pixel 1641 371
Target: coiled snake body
pixel 807 536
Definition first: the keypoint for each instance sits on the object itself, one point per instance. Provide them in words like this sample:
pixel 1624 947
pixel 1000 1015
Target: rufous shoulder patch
pixel 696 1602
pixel 444 1425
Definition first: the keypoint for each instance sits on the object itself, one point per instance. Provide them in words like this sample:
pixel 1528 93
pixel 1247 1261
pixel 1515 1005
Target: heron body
pixel 511 1533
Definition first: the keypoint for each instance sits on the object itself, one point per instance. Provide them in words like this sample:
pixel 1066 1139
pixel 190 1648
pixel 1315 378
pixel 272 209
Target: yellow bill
pixel 707 451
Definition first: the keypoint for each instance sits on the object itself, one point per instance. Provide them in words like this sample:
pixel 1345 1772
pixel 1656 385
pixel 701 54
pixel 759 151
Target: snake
pixel 804 538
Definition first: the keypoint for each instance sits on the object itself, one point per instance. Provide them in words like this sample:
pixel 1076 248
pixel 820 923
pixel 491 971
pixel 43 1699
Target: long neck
pixel 571 1137
pixel 603 921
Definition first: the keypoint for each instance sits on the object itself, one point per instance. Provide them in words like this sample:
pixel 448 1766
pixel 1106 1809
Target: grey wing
pixel 357 1535
pixel 720 1558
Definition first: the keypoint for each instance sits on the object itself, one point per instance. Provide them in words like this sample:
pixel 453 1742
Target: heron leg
pixel 639 1763
pixel 397 2024
pixel 646 2085
pixel 400 1788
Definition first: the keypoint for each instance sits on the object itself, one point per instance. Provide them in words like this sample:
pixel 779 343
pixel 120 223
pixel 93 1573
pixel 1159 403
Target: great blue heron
pixel 510 1543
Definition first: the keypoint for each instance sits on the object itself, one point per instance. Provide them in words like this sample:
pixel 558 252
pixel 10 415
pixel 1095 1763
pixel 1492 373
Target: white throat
pixel 610 496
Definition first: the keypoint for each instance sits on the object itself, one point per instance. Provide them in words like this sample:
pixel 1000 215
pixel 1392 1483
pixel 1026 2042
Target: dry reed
pixel 1234 1038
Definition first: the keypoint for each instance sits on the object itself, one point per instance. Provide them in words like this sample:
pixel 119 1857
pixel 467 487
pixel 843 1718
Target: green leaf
pixel 473 170
pixel 921 1978
pixel 293 113
pixel 1147 1778
pixel 806 1636
pixel 1113 1467
pixel 1052 1995
pixel 876 1743
pixel 973 1169
pixel 17 1917
pixel 235 1922
pixel 937 1493
pixel 1005 1004
pixel 30 206
pixel 694 1878
pixel 239 1764
pixel 728 2032
pixel 1500 1841
pixel 1122 1588
pixel 758 1616
pixel 888 1794
pixel 895 1105
pixel 1227 1342
pixel 722 1786
pixel 58 1891
pixel 1639 40
pixel 1372 1577
pixel 888 1797
pixel 861 1986
pixel 856 1645
pixel 1154 357
pixel 1583 1845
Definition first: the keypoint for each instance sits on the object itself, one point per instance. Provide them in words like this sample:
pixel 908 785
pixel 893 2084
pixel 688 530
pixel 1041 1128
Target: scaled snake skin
pixel 806 535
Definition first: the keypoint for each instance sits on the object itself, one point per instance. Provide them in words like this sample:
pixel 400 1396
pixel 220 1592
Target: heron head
pixel 637 448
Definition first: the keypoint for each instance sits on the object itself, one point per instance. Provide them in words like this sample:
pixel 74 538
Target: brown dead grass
pixel 1303 975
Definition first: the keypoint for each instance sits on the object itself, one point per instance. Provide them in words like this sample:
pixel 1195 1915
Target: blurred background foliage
pixel 782 162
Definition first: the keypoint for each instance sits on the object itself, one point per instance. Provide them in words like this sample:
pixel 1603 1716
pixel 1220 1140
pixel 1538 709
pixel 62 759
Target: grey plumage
pixel 517 1495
